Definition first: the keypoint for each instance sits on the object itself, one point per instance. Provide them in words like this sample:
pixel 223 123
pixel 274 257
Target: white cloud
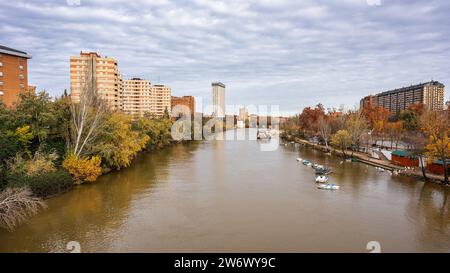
pixel 294 53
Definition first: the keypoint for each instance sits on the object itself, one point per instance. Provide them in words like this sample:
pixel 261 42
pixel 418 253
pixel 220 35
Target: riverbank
pixel 229 196
pixel 367 159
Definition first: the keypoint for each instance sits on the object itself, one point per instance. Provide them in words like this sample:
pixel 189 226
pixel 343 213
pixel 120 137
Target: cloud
pixel 291 53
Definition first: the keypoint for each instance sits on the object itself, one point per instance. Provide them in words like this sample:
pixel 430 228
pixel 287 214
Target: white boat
pixel 321 179
pixel 328 187
pixel 299 159
pixel 263 135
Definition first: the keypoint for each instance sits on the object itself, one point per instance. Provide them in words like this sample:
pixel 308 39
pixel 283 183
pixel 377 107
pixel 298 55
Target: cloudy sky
pixel 287 53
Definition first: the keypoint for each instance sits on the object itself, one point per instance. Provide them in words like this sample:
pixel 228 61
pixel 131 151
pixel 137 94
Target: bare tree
pixel 325 129
pixel 417 141
pixel 88 114
pixel 16 205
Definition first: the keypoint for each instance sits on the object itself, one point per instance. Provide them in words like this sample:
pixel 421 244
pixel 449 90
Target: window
pixel 21 67
pixel 21 76
pixel 1 93
pixel 1 74
pixel 1 64
pixel 22 85
pixel 1 83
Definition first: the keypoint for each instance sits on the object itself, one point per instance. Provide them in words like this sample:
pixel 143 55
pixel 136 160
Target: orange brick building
pixel 13 74
pixel 186 102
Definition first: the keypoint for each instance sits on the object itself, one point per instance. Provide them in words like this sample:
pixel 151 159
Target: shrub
pixel 83 169
pixel 45 184
pixel 16 205
pixel 3 180
pixel 40 163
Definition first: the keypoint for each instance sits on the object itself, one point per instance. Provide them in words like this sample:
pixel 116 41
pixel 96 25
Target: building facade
pixel 182 106
pixel 243 114
pixel 218 92
pixel 140 97
pixel 13 75
pixel 105 76
pixel 430 94
pixel 136 99
pixel 161 99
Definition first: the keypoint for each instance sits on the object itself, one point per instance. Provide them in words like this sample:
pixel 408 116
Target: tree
pixel 309 120
pixel 36 111
pixel 157 129
pixel 24 137
pixel 342 140
pixel 437 127
pixel 16 205
pixel 375 114
pixel 117 143
pixel 83 169
pixel 87 115
pixel 356 126
pixel 410 120
pixel 166 114
pixel 325 129
pixel 417 141
pixel 394 131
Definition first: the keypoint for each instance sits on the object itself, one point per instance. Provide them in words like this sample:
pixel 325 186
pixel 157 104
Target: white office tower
pixel 218 90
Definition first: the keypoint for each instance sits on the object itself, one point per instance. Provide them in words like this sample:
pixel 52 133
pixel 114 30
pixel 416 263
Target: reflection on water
pixel 229 196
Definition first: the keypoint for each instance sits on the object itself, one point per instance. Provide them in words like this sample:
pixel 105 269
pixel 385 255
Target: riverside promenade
pixel 367 159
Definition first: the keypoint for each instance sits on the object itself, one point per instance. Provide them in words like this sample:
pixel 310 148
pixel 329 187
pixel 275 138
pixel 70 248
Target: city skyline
pixel 294 57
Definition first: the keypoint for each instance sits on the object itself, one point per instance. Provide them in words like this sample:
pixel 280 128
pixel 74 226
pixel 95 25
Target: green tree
pixel 157 129
pixel 36 110
pixel 117 143
pixel 410 120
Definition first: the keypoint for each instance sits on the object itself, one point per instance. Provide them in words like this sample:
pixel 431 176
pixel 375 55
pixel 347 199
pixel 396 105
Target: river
pixel 229 196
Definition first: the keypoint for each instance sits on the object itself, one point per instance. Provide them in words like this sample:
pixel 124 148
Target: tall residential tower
pixel 137 97
pixel 105 74
pixel 218 92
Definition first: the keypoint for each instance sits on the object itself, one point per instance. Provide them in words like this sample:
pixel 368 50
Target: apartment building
pixel 218 92
pixel 187 104
pixel 161 99
pixel 105 76
pixel 431 94
pixel 243 114
pixel 137 98
pixel 13 74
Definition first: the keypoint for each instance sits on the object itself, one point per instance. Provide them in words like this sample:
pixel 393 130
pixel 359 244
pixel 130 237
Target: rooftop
pixel 218 84
pixel 90 54
pixel 14 52
pixel 420 85
pixel 402 153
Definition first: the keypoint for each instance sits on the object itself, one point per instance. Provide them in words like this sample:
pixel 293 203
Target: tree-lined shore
pixel 48 146
pixel 425 134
